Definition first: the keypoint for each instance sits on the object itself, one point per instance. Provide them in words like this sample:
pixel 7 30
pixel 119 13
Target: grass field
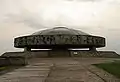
pixel 3 68
pixel 112 67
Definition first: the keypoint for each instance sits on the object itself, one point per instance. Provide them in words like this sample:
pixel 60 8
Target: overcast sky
pixel 23 17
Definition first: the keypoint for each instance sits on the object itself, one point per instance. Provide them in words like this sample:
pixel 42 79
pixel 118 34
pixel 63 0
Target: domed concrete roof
pixel 59 38
pixel 60 31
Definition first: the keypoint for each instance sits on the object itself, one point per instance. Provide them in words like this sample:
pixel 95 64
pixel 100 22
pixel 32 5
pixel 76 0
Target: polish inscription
pixel 59 39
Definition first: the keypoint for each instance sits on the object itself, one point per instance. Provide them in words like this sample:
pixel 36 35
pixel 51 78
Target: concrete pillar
pixel 26 49
pixel 58 53
pixel 69 52
pixel 92 49
pixel 49 53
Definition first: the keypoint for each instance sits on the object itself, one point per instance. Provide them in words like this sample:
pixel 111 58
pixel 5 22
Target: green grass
pixel 112 67
pixel 3 68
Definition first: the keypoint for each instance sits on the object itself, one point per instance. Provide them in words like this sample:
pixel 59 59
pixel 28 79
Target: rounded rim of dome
pixel 60 31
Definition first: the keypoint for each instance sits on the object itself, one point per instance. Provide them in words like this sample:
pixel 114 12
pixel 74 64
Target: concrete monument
pixel 59 38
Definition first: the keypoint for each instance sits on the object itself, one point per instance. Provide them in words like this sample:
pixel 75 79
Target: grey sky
pixel 97 17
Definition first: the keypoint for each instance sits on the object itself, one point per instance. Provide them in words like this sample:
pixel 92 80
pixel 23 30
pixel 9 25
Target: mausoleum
pixel 59 38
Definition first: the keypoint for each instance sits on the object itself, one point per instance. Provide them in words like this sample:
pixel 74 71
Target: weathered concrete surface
pixel 59 37
pixel 32 73
pixel 72 41
pixel 58 53
pixel 57 70
pixel 16 61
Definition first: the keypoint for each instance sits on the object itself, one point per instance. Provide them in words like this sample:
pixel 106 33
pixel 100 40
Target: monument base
pixel 21 58
pixel 58 53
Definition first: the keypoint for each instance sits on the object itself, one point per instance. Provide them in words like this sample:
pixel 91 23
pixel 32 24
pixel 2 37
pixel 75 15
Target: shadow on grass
pixel 112 67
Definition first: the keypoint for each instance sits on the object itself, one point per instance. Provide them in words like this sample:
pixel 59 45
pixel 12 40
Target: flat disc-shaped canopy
pixel 59 37
pixel 60 31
